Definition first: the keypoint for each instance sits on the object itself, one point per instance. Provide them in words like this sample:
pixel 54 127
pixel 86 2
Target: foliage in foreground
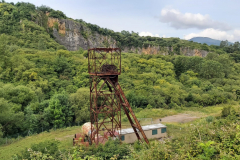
pixel 208 138
pixel 49 150
pixel 204 139
pixel 43 150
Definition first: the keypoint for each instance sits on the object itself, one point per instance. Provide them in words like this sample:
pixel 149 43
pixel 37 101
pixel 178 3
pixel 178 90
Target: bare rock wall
pixel 74 35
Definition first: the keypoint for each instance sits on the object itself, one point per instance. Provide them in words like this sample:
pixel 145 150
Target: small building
pixel 153 131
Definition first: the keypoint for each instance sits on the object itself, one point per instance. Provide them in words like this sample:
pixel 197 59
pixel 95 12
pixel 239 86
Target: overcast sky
pixel 218 19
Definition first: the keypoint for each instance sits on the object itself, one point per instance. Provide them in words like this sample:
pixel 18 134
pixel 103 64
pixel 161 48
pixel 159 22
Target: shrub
pixel 149 106
pixel 85 53
pixel 44 8
pixel 207 150
pixel 55 25
pixel 41 44
pixel 226 111
pixel 209 118
pixel 49 147
pixel 80 50
pixel 57 14
pixel 112 148
pixel 61 47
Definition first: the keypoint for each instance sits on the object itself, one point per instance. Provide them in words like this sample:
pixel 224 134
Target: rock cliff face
pixel 74 35
pixel 167 50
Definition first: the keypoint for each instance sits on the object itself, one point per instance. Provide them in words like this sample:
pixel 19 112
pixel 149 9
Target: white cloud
pixel 148 34
pixel 237 33
pixel 180 20
pixel 152 35
pixel 216 34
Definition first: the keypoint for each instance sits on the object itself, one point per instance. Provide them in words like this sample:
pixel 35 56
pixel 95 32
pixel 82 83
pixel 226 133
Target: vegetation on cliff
pixel 24 21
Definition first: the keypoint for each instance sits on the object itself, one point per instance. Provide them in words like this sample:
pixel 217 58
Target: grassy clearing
pixel 66 135
pixel 200 112
pixel 180 129
pixel 193 111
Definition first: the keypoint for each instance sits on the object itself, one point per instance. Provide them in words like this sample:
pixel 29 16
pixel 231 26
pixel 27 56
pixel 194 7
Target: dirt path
pixel 179 118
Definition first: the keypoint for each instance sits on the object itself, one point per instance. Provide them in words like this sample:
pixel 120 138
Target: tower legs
pixel 106 100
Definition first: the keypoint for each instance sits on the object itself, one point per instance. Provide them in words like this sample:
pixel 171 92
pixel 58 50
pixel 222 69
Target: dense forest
pixel 44 85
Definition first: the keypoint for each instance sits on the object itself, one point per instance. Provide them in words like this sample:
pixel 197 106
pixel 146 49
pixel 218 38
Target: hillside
pixel 208 41
pixel 75 34
pixel 24 20
pixel 44 81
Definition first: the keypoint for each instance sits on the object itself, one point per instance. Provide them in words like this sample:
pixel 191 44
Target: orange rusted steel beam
pixel 132 113
pixel 124 108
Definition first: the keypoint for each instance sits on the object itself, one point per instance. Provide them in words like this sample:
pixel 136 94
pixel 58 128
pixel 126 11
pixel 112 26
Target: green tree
pixel 183 64
pixel 80 104
pixel 30 121
pixel 4 54
pixel 57 14
pixel 9 119
pixel 226 62
pixel 224 44
pixel 41 44
pixel 212 56
pixel 26 9
pixel 211 69
pixel 236 46
pixel 59 112
pixel 1 133
pixel 205 47
pixel 235 56
pixel 177 49
pixel 44 8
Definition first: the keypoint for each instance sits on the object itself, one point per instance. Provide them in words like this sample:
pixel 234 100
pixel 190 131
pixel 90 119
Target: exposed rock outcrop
pixel 74 35
pixel 167 50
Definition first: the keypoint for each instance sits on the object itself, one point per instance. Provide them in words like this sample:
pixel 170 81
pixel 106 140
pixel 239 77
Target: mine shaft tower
pixel 106 95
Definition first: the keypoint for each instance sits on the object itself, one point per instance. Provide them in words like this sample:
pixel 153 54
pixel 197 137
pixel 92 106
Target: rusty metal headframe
pixel 106 96
pixel 104 61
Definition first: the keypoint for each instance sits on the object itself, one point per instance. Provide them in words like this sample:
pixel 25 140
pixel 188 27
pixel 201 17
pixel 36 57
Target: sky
pixel 217 19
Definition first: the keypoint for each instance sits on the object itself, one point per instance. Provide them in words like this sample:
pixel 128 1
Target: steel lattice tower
pixel 106 95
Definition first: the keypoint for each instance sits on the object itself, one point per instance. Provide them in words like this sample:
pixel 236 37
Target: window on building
pixel 163 130
pixel 154 132
pixel 122 138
